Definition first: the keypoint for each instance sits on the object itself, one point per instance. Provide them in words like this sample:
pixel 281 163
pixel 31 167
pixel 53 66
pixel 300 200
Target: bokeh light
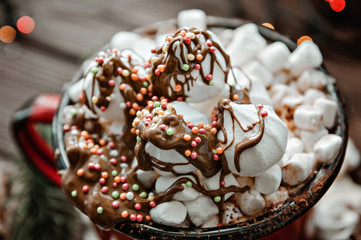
pixel 337 5
pixel 25 24
pixel 304 38
pixel 7 34
pixel 268 25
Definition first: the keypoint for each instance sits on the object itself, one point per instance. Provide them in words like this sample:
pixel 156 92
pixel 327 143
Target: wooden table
pixel 68 31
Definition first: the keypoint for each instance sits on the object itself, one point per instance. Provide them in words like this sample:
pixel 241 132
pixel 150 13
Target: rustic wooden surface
pixel 68 31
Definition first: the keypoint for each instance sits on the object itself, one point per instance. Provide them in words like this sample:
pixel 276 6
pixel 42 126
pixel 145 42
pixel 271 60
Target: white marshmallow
pixel 231 213
pixel 298 168
pixel 246 43
pixel 254 68
pixel 146 178
pixel 311 78
pixel 169 156
pixel 144 46
pixel 310 138
pixel 327 148
pixel 192 18
pixel 281 77
pixel 189 113
pixel 201 210
pixel 307 55
pixel 213 183
pixel 269 181
pixel 311 95
pixel 328 108
pixel 251 202
pixel 170 213
pixel 164 182
pixel 238 79
pixel 123 40
pixel 278 92
pixel 352 156
pixel 276 197
pixel 294 145
pixel 212 222
pixel 274 56
pixel 258 93
pixel 307 118
pixel 263 155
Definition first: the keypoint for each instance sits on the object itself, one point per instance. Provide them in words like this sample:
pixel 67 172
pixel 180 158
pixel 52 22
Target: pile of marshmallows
pixel 288 85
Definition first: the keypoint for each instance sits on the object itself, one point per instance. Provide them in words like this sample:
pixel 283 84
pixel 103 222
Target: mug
pixel 47 108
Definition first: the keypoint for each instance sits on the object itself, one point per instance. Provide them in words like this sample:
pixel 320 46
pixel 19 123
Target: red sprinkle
pixel 111 83
pixel 157 72
pixel 155 98
pixel 187 39
pixel 153 51
pixel 102 181
pixel 133 217
pixel 97 166
pixel 111 144
pixel 113 161
pixel 115 185
pixel 215 157
pixel 214 123
pixel 99 60
pixel 180 99
pixel 119 70
pixel 103 108
pixel 123 179
pixel 198 139
pixel 138 206
pixel 125 186
pixel 115 204
pixel 139 217
pixel 105 189
pixel 123 158
pixel 193 144
pixel 164 105
pixel 128 104
pixel 152 204
pixel 66 127
pixel 85 189
pixel 264 114
pixel 197 66
pixel 209 43
pixel 223 183
pixel 194 155
pixel 209 77
pixel 163 127
pixel 212 49
pixel 100 151
pixel 260 106
pixel 190 126
pixel 91 166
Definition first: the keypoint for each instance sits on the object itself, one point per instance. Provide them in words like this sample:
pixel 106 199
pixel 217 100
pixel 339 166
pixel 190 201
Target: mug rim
pixel 257 227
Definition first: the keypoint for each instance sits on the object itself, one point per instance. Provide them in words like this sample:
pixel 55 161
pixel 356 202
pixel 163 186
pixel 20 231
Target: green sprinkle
pixel 189 184
pixel 73 112
pixel 100 210
pixel 114 173
pixel 156 104
pixel 74 193
pixel 115 194
pixel 217 199
pixel 143 195
pixel 139 139
pixel 211 83
pixel 135 187
pixel 185 67
pixel 145 84
pixel 169 132
pixel 94 70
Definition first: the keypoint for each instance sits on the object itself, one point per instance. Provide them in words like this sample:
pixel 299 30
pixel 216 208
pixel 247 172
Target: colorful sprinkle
pixel 125 186
pixel 268 25
pixel 115 204
pixel 190 57
pixel 133 217
pixel 211 83
pixel 139 217
pixel 85 189
pixel 100 210
pixel 115 194
pixel 195 130
pixel 130 196
pixel 194 155
pixel 137 206
pixel 152 204
pixel 215 157
pixel 74 193
pixel 102 181
pixel 123 196
pixel 219 150
pixel 187 152
pixel 125 73
pixel 197 66
pixel 125 214
pixel 199 57
pixel 264 113
pixel 169 131
pixel 193 144
pixel 189 184
pixel 117 179
pixel 94 70
pixel 143 195
pixel 114 173
pixel 217 199
pixel 185 67
pixel 178 88
pixel 80 172
pixel 135 187
pixel 187 137
pixel 212 49
pixel 303 39
pixel 113 161
pixel 105 189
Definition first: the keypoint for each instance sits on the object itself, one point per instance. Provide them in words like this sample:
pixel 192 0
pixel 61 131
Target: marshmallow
pixel 278 92
pixel 169 156
pixel 193 18
pixel 212 222
pixel 352 156
pixel 163 183
pixel 254 68
pixel 269 181
pixel 294 145
pixel 327 148
pixel 281 77
pixel 189 113
pixel 143 47
pixel 246 43
pixel 238 79
pixel 311 78
pixel 213 183
pixel 251 202
pixel 123 40
pixel 311 95
pixel 146 178
pixel 258 93
pixel 170 213
pixel 307 55
pixel 231 213
pixel 298 168
pixel 328 108
pixel 274 56
pixel 267 152
pixel 310 138
pixel 307 118
pixel 201 210
pixel 276 197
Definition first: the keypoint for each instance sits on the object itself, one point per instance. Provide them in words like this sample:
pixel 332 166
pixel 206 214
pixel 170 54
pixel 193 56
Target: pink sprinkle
pixel 209 77
pixel 193 144
pixel 91 166
pixel 128 104
pixel 215 157
pixel 209 43
pixel 157 72
pixel 119 70
pixel 123 158
pixel 73 127
pixel 198 139
pixel 115 204
pixel 197 66
pixel 202 130
pixel 155 98
pixel 139 217
pixel 212 49
pixel 194 155
pixel 111 83
pixel 85 188
pixel 123 179
pixel 66 128
pixel 187 39
pixel 138 206
pixel 115 185
pixel 163 127
pixel 152 204
pixel 97 166
pixel 133 217
pixel 111 144
pixel 105 189
pixel 125 186
pixel 102 181
pixel 164 105
pixel 113 161
pixel 180 99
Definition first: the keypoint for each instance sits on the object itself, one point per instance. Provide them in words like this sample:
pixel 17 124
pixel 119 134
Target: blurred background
pixel 42 51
